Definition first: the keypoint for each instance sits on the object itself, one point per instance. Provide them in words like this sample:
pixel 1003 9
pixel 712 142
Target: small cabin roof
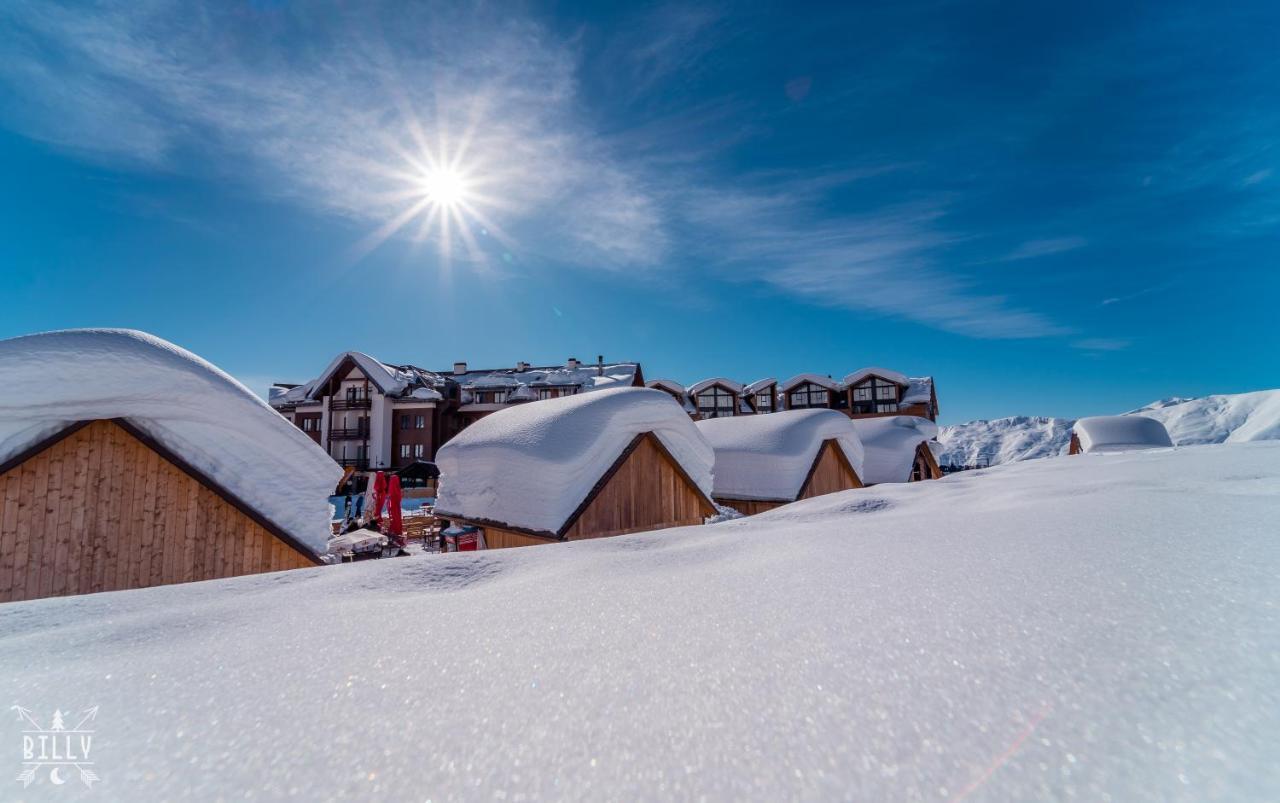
pixel 768 457
pixel 884 373
pixel 890 443
pixel 669 385
pixel 186 405
pixel 698 387
pixel 816 379
pixel 531 466
pixel 1120 433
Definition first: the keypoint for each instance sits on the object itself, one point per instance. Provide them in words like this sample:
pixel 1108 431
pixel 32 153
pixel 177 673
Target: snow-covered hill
pixel 1100 627
pixel 1209 419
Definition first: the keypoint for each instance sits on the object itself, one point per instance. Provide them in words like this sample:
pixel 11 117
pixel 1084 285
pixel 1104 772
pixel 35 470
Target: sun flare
pixel 444 187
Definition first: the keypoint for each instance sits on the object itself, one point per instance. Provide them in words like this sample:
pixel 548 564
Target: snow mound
pixel 1050 630
pixel 1120 433
pixel 55 379
pixel 890 444
pixel 530 466
pixel 768 457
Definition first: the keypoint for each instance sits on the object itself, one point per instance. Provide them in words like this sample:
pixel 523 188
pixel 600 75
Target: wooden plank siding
pixel 749 507
pixel 99 510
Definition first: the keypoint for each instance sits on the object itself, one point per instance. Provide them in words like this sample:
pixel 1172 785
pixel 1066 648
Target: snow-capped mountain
pixel 1208 419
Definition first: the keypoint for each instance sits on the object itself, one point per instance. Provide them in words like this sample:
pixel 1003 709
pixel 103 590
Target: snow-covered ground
pixel 1099 627
pixel 1208 419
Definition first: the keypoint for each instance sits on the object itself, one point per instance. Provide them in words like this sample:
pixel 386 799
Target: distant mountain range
pixel 1208 419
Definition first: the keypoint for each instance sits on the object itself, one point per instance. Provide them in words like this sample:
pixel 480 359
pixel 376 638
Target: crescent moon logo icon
pixel 53 776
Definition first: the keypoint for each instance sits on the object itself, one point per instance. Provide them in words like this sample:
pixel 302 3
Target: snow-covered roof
pixel 584 377
pixel 210 420
pixel 884 373
pixel 768 457
pixel 759 385
pixel 919 390
pixel 890 443
pixel 391 380
pixel 698 387
pixel 1120 433
pixel 281 396
pixel 426 394
pixel 816 379
pixel 669 385
pixel 532 465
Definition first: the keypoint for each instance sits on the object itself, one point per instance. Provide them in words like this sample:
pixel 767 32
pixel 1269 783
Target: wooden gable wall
pixel 99 510
pixel 831 472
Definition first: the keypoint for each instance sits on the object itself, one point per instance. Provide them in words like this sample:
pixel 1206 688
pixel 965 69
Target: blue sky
pixel 1053 209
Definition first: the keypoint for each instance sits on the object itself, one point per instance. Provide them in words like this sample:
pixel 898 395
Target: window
pixel 404 421
pixel 886 391
pixel 886 408
pixel 404 450
pixel 809 396
pixel 420 422
pixel 862 393
pixel 764 402
pixel 499 396
pixel 306 424
pixel 418 449
pixel 715 402
pixel 546 393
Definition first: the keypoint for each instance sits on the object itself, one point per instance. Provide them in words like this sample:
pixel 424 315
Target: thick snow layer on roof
pixel 1121 433
pixel 426 394
pixel 982 637
pixel 202 414
pixel 919 389
pixel 759 385
pixel 816 379
pixel 768 457
pixel 531 465
pixel 890 444
pixel 586 377
pixel 280 396
pixel 669 385
pixel 386 378
pixel 698 387
pixel 884 373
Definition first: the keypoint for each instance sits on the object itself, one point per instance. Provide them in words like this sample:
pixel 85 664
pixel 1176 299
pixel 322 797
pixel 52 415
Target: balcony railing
pixel 350 403
pixel 349 434
pixel 358 463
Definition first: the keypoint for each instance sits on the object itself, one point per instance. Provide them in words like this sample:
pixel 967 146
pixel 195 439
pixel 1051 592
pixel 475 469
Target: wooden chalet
pixel 882 392
pixel 102 501
pixel 762 396
pixel 676 391
pixel 812 391
pixel 648 469
pixel 898 448
pixel 764 462
pixel 718 398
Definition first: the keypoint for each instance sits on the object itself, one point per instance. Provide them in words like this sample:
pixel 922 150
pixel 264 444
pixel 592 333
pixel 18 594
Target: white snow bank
pixel 768 457
pixel 890 444
pixel 1120 433
pixel 531 466
pixel 988 636
pixel 884 373
pixel 54 379
pixel 816 379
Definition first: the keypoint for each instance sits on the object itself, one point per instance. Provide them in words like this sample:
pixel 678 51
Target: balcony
pixel 356 434
pixel 350 403
pixel 358 463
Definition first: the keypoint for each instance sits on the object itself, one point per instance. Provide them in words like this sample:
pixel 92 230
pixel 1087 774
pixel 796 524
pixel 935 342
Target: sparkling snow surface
pixel 1103 627
pixel 211 420
pixel 769 456
pixel 531 465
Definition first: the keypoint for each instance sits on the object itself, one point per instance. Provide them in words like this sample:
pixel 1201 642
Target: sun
pixel 444 187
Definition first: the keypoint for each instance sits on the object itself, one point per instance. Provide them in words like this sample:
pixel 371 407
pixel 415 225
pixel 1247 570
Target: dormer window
pixel 875 395
pixel 715 402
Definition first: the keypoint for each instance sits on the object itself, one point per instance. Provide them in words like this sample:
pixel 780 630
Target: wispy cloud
pixel 1039 248
pixel 1101 344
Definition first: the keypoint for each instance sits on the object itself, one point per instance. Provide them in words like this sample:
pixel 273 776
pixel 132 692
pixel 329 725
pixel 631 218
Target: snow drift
pixel 55 379
pixel 1120 433
pixel 768 457
pixel 890 444
pixel 1096 628
pixel 531 465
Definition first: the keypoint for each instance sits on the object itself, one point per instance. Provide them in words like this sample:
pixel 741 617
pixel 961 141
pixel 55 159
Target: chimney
pixel 459 368
pixel 521 366
pixel 599 365
pixel 573 364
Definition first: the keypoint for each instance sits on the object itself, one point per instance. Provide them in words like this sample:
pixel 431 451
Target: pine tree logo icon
pixel 57 747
